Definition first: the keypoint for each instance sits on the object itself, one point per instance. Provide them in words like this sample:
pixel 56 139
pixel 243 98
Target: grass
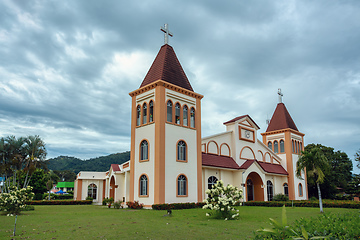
pixel 99 222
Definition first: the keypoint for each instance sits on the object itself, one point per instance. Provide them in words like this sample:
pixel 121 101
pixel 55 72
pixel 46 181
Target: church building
pixel 171 163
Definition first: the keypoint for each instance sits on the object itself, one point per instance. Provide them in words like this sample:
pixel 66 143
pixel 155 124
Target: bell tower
pixel 283 138
pixel 165 134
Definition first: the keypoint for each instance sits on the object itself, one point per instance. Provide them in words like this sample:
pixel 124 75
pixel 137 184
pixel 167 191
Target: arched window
pixel 185 116
pixel 250 190
pixel 270 190
pixel 138 114
pixel 177 113
pixel 144 113
pixel 282 148
pixel 296 146
pixel 144 150
pixel 270 145
pixel 211 181
pixel 182 186
pixel 181 151
pixel 192 117
pixel 276 147
pixel 143 185
pixel 151 111
pixel 286 189
pixel 300 147
pixel 293 146
pixel 169 111
pixel 300 190
pixel 92 189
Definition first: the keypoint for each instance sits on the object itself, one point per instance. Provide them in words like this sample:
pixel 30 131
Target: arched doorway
pixel 112 187
pixel 254 187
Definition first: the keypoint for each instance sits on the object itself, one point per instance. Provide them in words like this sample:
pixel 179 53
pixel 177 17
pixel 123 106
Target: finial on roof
pixel 165 29
pixel 280 95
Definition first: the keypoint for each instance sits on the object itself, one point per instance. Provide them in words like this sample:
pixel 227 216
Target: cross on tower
pixel 280 95
pixel 165 29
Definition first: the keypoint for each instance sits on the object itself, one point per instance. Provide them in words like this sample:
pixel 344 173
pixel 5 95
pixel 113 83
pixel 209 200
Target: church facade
pixel 171 163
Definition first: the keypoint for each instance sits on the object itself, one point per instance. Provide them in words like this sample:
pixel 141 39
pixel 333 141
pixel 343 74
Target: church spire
pixel 281 118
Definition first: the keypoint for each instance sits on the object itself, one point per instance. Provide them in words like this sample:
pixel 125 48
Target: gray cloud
pixel 66 68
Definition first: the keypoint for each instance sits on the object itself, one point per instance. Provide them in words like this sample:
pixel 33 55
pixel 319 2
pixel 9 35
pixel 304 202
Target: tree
pixel 337 175
pixel 357 158
pixel 315 162
pixel 18 156
pixel 66 175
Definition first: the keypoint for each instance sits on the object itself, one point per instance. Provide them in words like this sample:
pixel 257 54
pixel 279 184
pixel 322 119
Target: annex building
pixel 170 162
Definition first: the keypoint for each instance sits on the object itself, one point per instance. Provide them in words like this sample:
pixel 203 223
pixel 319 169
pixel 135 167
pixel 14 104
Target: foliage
pixel 280 197
pixel 336 226
pixel 306 203
pixel 315 163
pixel 14 201
pixel 354 185
pixel 20 155
pixel 135 205
pixel 279 230
pixel 107 201
pixel 117 204
pixel 284 231
pixel 167 206
pixel 357 158
pixel 60 202
pixel 65 175
pixel 337 176
pixel 76 165
pixel 89 198
pixel 54 196
pixel 38 181
pixel 222 200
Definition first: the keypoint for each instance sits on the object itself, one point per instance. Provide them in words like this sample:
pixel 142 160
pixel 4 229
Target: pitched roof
pixel 240 117
pixel 267 167
pixel 213 160
pixel 115 167
pixel 167 67
pixel 281 119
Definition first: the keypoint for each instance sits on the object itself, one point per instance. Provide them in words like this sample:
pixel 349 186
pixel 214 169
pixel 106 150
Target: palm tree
pixel 314 162
pixel 36 153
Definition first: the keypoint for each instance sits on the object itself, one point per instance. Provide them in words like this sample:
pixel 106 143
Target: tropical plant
pixel 14 201
pixel 314 162
pixel 280 197
pixel 222 200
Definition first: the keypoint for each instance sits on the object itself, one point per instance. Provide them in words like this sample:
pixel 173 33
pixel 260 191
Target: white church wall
pixel 298 181
pixel 174 168
pixel 146 167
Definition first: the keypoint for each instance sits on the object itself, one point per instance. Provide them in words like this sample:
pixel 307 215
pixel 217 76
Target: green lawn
pixel 99 222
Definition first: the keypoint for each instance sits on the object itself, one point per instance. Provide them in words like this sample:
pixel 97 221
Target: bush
pixel 54 196
pixel 280 197
pixel 313 199
pixel 15 201
pixel 59 202
pixel 89 198
pixel 117 204
pixel 106 201
pixel 135 205
pixel 222 200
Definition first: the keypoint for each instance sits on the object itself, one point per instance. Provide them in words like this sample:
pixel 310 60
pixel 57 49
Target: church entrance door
pixel 254 187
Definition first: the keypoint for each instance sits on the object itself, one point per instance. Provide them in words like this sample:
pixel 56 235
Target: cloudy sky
pixel 66 67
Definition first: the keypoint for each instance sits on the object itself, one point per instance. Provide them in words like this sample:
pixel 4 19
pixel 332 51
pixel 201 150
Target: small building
pixel 65 186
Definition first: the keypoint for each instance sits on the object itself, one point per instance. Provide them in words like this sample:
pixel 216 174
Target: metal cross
pixel 280 95
pixel 165 29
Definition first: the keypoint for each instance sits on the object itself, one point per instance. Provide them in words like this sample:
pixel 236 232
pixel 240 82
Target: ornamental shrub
pixel 280 197
pixel 222 200
pixel 15 201
pixel 117 204
pixel 135 205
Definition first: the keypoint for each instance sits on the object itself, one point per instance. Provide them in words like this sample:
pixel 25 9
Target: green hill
pixel 99 164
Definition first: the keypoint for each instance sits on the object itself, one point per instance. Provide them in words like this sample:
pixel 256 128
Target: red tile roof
pixel 167 67
pixel 267 167
pixel 214 160
pixel 281 119
pixel 115 167
pixel 240 117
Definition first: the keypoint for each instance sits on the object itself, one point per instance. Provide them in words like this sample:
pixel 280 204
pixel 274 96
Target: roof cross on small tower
pixel 165 29
pixel 280 95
